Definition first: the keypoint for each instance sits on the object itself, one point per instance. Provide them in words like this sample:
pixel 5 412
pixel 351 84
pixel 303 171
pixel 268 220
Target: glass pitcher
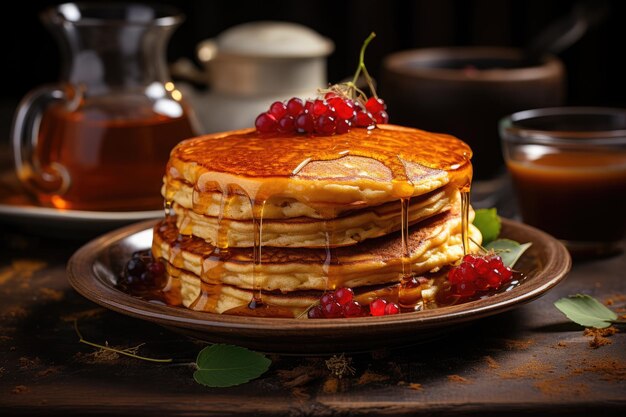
pixel 101 138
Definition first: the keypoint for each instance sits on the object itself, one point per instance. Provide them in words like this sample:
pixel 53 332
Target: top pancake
pixel 360 167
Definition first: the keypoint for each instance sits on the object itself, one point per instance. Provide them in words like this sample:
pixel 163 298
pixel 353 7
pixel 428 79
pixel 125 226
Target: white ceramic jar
pixel 253 64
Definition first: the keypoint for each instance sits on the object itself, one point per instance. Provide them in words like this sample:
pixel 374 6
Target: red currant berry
pixel 466 272
pixel 481 284
pixel 146 279
pixel 327 298
pixel 278 109
pixel 266 123
pixel 470 258
pixel 287 124
pixel 365 119
pixel 316 312
pixel 465 289
pixel 329 95
pixel 454 276
pixel 494 278
pixel 308 107
pixel 305 123
pixel 353 309
pixel 343 126
pixel 381 117
pixel 135 267
pixel 330 112
pixel 332 310
pixel 375 105
pixel 377 307
pixel 391 308
pixel 343 108
pixel 506 274
pixel 156 268
pixel 325 125
pixel 295 106
pixel 481 266
pixel 344 295
pixel 495 262
pixel 319 107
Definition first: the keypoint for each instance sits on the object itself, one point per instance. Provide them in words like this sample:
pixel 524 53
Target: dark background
pixel 594 73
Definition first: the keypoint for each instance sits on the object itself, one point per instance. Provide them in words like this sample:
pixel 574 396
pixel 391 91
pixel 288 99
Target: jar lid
pixel 271 39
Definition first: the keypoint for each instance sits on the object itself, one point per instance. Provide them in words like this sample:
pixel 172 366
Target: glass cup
pixel 568 167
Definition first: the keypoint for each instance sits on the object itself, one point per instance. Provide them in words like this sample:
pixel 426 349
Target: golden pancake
pixel 432 243
pixel 361 168
pixel 187 290
pixel 348 229
pixel 194 294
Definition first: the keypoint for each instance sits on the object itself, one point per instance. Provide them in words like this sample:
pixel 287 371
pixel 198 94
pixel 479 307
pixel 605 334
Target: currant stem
pixel 305 312
pixel 482 248
pixel 121 352
pixel 361 66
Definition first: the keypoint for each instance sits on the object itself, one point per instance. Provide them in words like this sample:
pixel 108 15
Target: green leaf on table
pixel 488 222
pixel 586 311
pixel 227 365
pixel 509 250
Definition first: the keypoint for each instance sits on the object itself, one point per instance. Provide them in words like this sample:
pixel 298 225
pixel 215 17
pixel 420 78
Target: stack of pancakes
pixel 325 212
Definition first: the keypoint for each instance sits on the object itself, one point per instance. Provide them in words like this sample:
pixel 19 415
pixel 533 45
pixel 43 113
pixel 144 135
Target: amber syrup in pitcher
pixel 112 150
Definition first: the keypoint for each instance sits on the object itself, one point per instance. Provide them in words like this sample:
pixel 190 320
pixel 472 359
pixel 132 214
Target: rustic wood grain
pixel 529 361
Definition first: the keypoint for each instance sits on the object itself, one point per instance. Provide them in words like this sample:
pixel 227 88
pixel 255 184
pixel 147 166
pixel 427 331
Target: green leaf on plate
pixel 488 222
pixel 509 250
pixel 227 365
pixel 586 311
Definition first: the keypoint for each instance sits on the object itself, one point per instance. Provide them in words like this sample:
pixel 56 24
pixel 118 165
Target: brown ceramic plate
pixel 94 268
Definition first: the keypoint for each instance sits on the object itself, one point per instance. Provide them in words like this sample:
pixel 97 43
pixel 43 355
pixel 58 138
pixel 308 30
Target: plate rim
pixel 84 280
pixel 82 215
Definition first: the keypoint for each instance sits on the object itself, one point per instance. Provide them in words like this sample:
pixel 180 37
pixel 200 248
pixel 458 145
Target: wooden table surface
pixel 528 361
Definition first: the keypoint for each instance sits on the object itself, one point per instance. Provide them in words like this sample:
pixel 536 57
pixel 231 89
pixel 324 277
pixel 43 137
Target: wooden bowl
pixel 465 91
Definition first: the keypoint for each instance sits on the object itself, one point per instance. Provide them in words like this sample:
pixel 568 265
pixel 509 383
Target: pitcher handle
pixel 53 178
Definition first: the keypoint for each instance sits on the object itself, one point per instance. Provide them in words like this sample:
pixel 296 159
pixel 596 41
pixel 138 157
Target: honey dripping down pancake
pixel 250 177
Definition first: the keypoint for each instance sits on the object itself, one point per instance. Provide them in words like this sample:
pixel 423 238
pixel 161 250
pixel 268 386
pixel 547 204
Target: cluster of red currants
pixel 341 304
pixel 478 273
pixel 328 116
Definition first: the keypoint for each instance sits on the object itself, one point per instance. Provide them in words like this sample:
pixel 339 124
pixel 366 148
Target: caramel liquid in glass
pixel 113 150
pixel 576 196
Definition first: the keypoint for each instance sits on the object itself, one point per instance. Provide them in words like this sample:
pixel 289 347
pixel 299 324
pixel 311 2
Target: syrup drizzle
pixel 257 219
pixel 328 259
pixel 406 254
pixel 167 207
pixel 222 222
pixel 465 205
pixel 407 296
